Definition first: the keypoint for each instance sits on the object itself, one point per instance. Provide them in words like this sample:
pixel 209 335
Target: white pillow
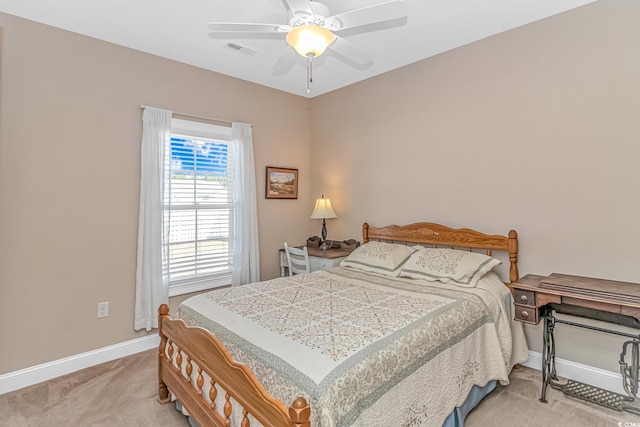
pixel 379 257
pixel 462 268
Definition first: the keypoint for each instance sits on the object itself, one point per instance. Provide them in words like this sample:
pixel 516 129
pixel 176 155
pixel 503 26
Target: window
pixel 198 207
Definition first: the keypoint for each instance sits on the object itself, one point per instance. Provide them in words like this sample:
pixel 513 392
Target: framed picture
pixel 281 183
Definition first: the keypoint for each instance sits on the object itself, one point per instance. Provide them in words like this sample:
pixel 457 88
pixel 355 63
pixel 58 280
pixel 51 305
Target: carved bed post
pixel 365 233
pixel 513 255
pixel 163 391
pixel 299 413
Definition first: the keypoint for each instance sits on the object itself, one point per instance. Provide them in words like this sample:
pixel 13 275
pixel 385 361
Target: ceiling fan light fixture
pixel 310 40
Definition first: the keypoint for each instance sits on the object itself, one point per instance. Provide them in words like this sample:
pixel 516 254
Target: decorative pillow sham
pixel 462 268
pixel 379 257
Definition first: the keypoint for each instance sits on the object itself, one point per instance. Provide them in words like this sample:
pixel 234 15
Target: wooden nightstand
pixel 318 259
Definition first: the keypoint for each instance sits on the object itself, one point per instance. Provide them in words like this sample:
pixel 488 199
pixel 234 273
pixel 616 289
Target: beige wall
pixel 69 180
pixel 535 129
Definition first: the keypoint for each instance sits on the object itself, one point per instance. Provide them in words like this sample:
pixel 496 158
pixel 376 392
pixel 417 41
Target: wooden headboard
pixel 438 235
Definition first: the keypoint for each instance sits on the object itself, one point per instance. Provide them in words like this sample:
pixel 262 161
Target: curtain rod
pixel 226 122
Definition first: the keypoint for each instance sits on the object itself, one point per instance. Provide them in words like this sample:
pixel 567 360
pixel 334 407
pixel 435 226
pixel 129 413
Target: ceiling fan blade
pixel 230 28
pixel 286 61
pixel 367 15
pixel 350 51
pixel 298 6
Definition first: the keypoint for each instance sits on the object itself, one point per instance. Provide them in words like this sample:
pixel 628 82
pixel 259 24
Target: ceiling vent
pixel 241 48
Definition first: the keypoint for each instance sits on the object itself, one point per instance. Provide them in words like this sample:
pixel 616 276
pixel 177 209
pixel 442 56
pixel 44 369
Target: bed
pixel 414 328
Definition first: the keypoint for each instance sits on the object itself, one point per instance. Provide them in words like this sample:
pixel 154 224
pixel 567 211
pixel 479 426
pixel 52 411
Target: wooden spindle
pixel 213 394
pixel 200 381
pixel 227 409
pixel 189 369
pixel 178 359
pixel 245 419
pixel 170 351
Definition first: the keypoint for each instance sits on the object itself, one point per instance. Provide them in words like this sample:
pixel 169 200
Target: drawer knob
pixel 525 315
pixel 523 298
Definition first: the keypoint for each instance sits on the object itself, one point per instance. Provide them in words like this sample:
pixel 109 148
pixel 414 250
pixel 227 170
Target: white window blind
pixel 198 211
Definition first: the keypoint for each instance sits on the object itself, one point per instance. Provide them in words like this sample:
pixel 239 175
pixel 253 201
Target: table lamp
pixel 323 210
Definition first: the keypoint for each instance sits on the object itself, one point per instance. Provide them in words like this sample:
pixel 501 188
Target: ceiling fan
pixel 312 29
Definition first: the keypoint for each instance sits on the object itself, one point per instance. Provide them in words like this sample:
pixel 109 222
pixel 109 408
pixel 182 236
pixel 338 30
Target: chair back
pixel 297 260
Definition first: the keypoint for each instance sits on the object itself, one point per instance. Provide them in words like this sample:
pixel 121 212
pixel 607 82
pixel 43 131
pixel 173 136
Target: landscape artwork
pixel 281 183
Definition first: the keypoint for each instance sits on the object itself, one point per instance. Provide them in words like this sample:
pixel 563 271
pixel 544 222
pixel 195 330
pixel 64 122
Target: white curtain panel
pixel 152 288
pixel 246 256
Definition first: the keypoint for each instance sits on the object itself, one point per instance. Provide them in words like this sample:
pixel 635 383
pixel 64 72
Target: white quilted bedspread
pixel 366 349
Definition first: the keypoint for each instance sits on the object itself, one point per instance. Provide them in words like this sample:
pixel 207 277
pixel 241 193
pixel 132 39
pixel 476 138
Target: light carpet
pixel 123 393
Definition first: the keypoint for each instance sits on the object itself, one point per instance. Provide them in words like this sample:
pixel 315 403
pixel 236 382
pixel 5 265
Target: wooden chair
pixel 297 260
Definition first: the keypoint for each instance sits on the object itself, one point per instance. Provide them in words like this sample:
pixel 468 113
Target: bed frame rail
pixel 182 348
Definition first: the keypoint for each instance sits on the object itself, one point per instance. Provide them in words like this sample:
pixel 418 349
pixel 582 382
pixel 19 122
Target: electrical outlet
pixel 103 309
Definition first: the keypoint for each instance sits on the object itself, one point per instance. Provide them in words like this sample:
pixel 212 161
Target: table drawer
pixel 526 314
pixel 324 263
pixel 524 297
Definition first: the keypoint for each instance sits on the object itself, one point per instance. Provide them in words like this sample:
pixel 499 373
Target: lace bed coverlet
pixel 365 349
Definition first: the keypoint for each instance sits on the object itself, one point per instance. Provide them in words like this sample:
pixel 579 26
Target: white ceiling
pixel 177 29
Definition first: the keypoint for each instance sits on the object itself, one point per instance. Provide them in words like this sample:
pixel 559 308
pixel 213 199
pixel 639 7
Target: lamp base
pixel 325 245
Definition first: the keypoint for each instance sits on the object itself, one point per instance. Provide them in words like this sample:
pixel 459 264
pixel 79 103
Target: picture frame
pixel 281 183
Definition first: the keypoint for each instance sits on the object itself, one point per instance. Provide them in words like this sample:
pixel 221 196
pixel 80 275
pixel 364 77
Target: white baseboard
pixel 607 380
pixel 46 371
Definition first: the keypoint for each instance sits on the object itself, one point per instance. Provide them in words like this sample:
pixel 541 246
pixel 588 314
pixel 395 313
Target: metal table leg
pixel 548 352
pixel 630 371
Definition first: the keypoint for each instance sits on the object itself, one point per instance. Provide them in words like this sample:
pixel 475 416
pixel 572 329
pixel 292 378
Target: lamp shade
pixel 310 40
pixel 323 209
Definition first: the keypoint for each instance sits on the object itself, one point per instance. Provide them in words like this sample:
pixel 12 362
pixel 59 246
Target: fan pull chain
pixel 309 73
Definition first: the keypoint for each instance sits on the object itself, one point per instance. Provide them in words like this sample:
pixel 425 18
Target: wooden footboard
pixel 189 354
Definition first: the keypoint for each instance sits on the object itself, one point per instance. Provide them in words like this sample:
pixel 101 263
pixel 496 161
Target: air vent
pixel 241 48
